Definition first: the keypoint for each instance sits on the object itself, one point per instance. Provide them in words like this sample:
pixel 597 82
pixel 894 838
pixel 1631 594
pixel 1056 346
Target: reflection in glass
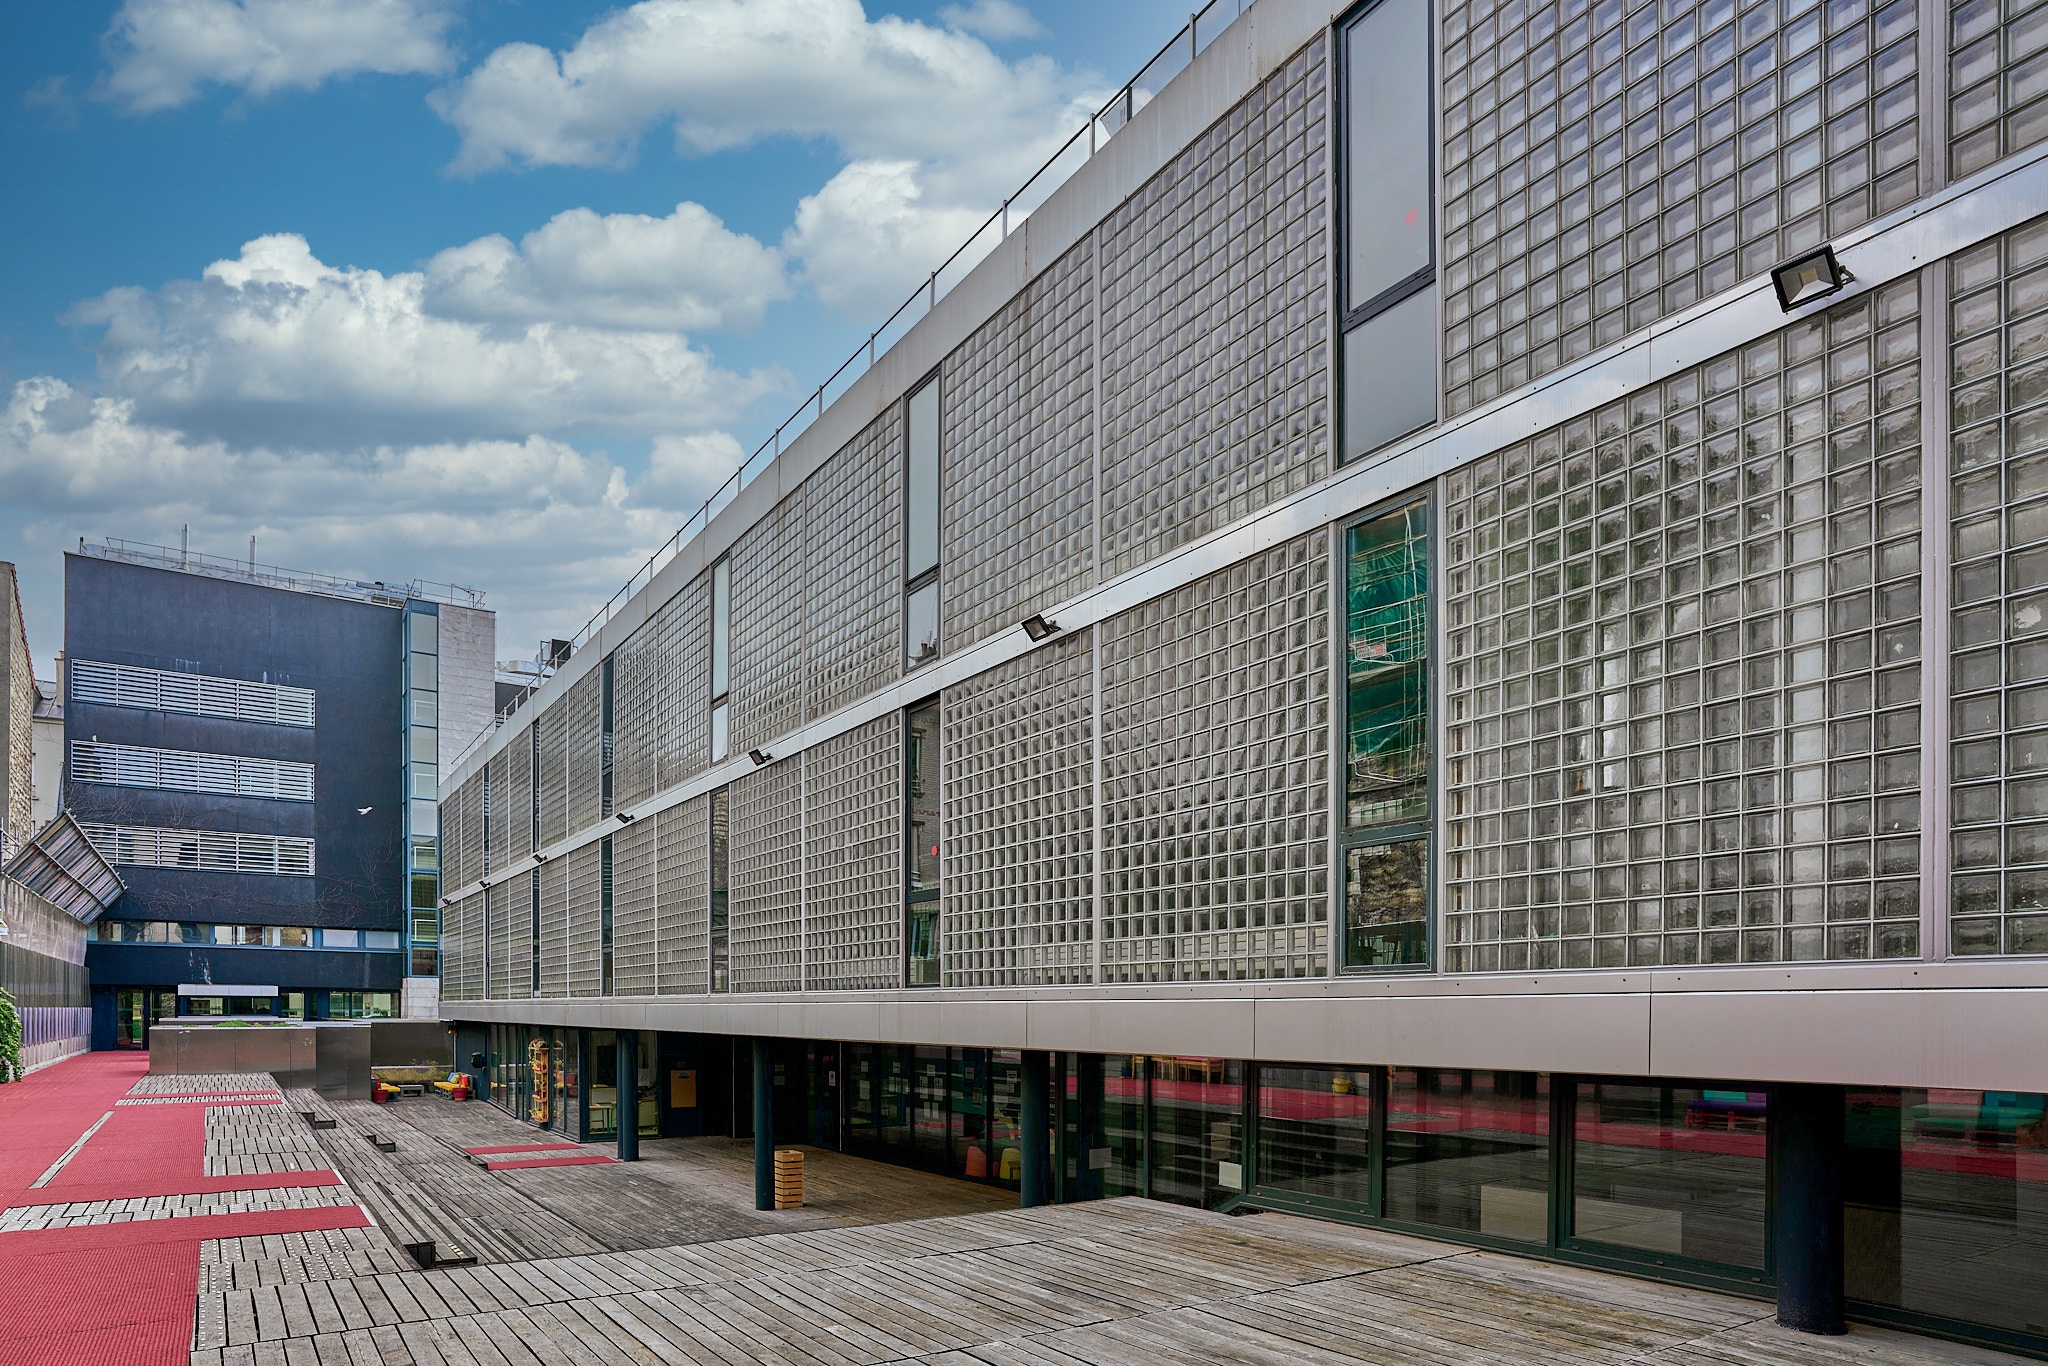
pixel 1197 1113
pixel 1315 1132
pixel 1470 1151
pixel 1005 1109
pixel 1386 653
pixel 721 732
pixel 1386 904
pixel 921 843
pixel 1390 374
pixel 1947 1204
pixel 721 887
pixel 921 625
pixel 604 1085
pixel 1386 127
pixel 1123 1126
pixel 921 512
pixel 1671 1169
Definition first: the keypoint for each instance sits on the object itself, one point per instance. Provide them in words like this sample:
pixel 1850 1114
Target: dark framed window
pixel 721 658
pixel 1386 826
pixel 1387 270
pixel 921 526
pixel 921 844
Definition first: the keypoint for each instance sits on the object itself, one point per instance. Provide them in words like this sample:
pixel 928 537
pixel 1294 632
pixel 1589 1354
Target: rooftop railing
pixel 271 576
pixel 1202 28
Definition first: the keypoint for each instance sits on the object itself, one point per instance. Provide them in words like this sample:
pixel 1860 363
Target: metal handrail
pixel 272 576
pixel 1171 59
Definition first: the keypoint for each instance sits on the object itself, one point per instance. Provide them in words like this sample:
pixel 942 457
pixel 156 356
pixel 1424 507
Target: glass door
pixel 930 1095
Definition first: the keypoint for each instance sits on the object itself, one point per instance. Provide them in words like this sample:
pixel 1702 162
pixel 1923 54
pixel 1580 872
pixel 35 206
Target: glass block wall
pixel 1022 385
pixel 682 631
pixel 505 925
pixel 767 873
pixel 1216 742
pixel 682 890
pixel 768 627
pixel 854 567
pixel 462 948
pixel 633 908
pixel 1606 165
pixel 1998 80
pixel 586 751
pixel 584 924
pixel 1682 666
pixel 1018 754
pixel 551 771
pixel 1215 324
pixel 554 928
pixel 1998 502
pixel 853 853
pixel 498 838
pixel 637 679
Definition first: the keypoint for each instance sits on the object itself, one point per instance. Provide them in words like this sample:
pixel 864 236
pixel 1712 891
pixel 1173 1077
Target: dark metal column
pixel 626 1070
pixel 1035 1180
pixel 1807 1156
pixel 764 1128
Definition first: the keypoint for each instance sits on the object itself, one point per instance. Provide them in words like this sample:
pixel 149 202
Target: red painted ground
pixel 588 1160
pixel 524 1148
pixel 146 1272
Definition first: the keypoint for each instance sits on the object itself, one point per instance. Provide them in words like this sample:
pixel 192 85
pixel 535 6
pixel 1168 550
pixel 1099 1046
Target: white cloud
pixel 996 20
pixel 686 272
pixel 163 51
pixel 546 530
pixel 277 348
pixel 728 72
pixel 870 235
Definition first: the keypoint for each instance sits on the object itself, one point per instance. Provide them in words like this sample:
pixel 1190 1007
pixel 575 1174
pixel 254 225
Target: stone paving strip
pixel 244 1140
pixel 206 1083
pixel 22 1218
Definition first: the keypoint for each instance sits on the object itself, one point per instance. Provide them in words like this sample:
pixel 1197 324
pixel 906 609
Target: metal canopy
pixel 64 867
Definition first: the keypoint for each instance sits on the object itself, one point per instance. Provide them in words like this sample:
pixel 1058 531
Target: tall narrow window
pixel 604 726
pixel 604 911
pixel 1386 739
pixel 721 888
pixel 533 934
pixel 533 785
pixel 1389 264
pixel 921 884
pixel 921 529
pixel 721 658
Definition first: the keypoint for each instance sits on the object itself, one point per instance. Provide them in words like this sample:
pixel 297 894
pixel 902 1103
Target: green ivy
pixel 11 1066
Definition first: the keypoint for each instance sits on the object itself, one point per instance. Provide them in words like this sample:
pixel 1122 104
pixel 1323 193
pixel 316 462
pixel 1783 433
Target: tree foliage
pixel 12 1068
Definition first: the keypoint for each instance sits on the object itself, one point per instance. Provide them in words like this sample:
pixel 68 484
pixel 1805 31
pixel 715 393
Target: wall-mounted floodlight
pixel 625 818
pixel 1037 627
pixel 1803 279
pixel 761 757
pixel 540 858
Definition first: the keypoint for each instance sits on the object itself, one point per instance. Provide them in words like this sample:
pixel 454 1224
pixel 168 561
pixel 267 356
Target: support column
pixel 764 1128
pixel 626 1070
pixel 1032 1122
pixel 1807 1156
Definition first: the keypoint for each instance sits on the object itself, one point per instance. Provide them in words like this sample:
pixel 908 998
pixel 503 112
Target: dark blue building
pixel 258 752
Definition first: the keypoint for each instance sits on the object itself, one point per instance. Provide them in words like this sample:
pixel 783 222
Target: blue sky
pixel 474 290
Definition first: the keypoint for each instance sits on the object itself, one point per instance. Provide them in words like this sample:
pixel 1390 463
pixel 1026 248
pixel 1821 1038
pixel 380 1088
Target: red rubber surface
pixel 118 1294
pixel 590 1160
pixel 524 1148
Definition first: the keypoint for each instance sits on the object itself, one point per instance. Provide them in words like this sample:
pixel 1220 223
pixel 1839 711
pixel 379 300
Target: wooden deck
pixel 665 1261
pixel 1112 1283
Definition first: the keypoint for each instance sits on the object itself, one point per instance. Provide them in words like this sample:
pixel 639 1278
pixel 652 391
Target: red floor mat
pixel 524 1148
pixel 43 1114
pixel 149 1321
pixel 590 1160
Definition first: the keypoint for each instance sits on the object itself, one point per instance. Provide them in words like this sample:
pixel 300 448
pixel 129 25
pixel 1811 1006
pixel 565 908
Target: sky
pixel 484 292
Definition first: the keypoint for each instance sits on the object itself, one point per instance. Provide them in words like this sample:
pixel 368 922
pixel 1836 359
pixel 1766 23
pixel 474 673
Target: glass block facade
pixel 552 945
pixel 682 853
pixel 551 774
pixel 767 873
pixel 1023 383
pixel 585 977
pixel 683 666
pixel 1683 666
pixel 1998 504
pixel 853 891
pixel 586 751
pixel 1215 324
pixel 1018 763
pixel 1607 165
pixel 1215 734
pixel 635 927
pixel 768 626
pixel 1998 81
pixel 851 549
